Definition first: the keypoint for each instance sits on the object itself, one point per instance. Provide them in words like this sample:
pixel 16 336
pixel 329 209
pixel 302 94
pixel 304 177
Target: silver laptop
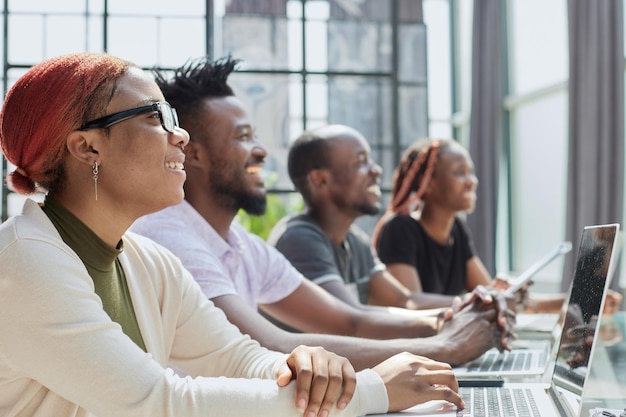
pixel 529 358
pixel 562 396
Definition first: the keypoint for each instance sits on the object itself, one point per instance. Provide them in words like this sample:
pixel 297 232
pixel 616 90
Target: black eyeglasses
pixel 167 116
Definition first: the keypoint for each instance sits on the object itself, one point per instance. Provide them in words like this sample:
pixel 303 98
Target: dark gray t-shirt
pixel 319 259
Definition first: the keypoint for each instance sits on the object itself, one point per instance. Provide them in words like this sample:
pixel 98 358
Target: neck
pixel 108 223
pixel 218 217
pixel 438 223
pixel 333 222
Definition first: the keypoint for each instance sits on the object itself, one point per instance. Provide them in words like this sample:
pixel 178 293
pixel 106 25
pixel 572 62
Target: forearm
pixel 366 353
pixel 390 323
pixel 423 300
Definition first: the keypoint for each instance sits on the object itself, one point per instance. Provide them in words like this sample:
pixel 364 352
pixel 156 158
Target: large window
pixel 396 70
pixel 303 63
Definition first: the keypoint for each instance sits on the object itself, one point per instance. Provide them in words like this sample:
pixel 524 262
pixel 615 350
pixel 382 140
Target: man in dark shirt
pixel 332 168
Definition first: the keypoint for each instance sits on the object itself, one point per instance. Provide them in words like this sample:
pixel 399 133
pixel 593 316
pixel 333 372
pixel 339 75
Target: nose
pixel 376 169
pixel 258 149
pixel 473 180
pixel 179 137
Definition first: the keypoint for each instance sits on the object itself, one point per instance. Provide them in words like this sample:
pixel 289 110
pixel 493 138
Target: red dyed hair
pixel 45 105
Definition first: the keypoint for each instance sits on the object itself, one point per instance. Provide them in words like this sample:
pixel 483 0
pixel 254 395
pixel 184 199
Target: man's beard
pixel 235 197
pixel 253 205
pixel 368 209
pixel 231 190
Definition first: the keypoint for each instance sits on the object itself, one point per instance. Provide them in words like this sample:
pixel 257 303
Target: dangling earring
pixel 95 178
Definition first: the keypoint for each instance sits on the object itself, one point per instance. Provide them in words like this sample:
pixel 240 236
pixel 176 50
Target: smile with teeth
pixel 175 165
pixel 254 170
pixel 375 189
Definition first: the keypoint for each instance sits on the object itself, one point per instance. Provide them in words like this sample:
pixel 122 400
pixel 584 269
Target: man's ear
pixel 83 146
pixel 196 154
pixel 318 177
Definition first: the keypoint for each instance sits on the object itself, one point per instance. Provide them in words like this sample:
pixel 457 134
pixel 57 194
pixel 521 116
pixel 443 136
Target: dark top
pixel 442 268
pixel 102 264
pixel 311 251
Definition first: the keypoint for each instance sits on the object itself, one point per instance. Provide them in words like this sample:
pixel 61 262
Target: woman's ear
pixel 83 146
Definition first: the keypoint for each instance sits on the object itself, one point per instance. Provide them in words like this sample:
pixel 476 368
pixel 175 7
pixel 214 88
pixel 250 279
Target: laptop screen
pixel 580 324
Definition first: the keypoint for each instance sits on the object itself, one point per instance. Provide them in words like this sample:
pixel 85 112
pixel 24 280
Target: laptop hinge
pixel 559 401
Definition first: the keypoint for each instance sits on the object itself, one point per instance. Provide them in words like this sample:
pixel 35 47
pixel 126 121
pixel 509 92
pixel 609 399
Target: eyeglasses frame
pixel 120 116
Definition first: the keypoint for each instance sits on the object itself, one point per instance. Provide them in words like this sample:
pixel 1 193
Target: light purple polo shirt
pixel 243 265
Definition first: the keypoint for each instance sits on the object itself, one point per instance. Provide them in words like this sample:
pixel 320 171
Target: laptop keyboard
pixel 516 360
pixel 498 402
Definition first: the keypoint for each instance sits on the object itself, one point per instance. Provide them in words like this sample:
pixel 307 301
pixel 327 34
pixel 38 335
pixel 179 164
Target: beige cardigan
pixel 61 355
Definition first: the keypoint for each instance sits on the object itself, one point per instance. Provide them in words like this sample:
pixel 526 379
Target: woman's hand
pixel 323 379
pixel 412 379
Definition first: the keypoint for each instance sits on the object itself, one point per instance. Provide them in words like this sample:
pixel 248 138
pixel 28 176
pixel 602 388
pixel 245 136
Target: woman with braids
pixel 94 319
pixel 421 238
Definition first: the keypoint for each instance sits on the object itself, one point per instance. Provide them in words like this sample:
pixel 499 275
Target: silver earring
pixel 95 178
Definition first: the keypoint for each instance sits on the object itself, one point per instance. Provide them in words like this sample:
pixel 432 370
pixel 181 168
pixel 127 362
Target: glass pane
pixel 46 6
pixel 141 50
pixel 266 98
pixel 412 54
pixel 362 103
pixel 156 7
pixel 440 129
pixel 64 35
pixel 413 114
pixel 535 67
pixel 259 41
pixel 368 10
pixel 539 177
pixel 316 46
pixel 295 52
pixel 179 40
pixel 317 99
pixel 26 39
pixel 95 34
pixel 436 17
pixel 359 46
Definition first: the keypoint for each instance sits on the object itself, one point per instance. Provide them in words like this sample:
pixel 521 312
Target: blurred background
pixel 534 88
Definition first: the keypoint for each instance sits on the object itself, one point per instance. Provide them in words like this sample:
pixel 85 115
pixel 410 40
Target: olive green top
pixel 102 264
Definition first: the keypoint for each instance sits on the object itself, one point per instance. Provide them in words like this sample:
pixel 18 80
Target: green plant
pixel 278 206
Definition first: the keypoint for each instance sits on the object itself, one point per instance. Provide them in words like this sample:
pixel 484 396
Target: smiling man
pixel 241 273
pixel 331 167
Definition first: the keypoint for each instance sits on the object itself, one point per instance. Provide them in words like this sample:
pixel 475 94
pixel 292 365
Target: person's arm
pixel 338 289
pixel 71 352
pixel 362 352
pixel 385 290
pixel 477 274
pixel 406 274
pixel 462 339
pixel 312 309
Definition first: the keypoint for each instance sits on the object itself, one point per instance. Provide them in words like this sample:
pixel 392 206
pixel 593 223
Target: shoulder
pixel 297 228
pixel 358 236
pixel 460 226
pixel 401 224
pixel 178 216
pixel 33 236
pixel 151 253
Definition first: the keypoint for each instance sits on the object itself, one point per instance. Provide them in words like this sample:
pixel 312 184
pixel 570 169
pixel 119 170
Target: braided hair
pixel 411 179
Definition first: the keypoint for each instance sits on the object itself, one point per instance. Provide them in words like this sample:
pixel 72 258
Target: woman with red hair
pixel 92 316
